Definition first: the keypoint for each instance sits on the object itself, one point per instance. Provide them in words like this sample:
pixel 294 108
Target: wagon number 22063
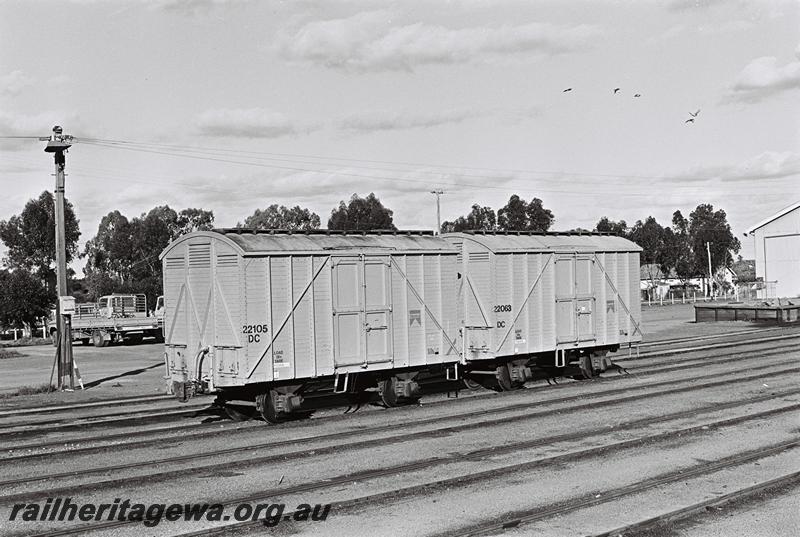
pixel 502 308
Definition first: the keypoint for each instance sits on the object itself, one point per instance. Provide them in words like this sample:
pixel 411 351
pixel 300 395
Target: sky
pixel 235 105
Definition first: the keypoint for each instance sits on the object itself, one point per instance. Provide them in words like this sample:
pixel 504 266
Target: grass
pixel 27 390
pixel 9 354
pixel 26 341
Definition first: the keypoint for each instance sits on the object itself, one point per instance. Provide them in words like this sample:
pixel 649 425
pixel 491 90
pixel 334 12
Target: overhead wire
pixel 426 182
pixel 451 170
pixel 263 155
pixel 174 150
pixel 357 163
pixel 323 172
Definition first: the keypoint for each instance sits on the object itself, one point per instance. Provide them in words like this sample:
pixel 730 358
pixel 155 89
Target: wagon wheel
pixel 504 382
pixel 471 384
pixel 585 365
pixel 269 404
pixel 265 404
pixel 238 412
pixel 387 392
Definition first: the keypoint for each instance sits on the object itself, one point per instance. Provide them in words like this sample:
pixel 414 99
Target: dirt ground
pixel 109 372
pixel 122 370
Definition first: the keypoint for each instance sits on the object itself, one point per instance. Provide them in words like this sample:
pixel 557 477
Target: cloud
pixel 248 123
pixel 59 80
pixel 685 5
pixel 193 7
pixel 260 123
pixel 371 42
pixel 767 165
pixel 389 120
pixel 706 28
pixel 14 82
pixel 763 78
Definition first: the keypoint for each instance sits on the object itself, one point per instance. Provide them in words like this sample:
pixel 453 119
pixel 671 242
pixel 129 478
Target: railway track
pixel 340 442
pixel 705 337
pixel 429 488
pixel 711 346
pixel 390 431
pixel 193 431
pixel 213 428
pixel 104 403
pixel 515 520
pixel 791 480
pixel 138 416
pixel 122 401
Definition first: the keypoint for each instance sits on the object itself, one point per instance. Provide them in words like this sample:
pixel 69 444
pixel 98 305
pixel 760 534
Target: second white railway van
pixel 546 299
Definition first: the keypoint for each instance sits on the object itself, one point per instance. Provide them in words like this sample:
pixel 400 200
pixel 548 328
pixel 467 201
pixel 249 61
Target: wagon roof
pixel 552 241
pixel 256 242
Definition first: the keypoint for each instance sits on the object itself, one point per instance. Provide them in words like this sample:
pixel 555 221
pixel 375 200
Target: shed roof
pixel 512 241
pixel 775 216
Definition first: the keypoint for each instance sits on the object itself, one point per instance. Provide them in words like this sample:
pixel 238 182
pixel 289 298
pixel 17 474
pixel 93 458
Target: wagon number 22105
pixel 254 329
pixel 253 332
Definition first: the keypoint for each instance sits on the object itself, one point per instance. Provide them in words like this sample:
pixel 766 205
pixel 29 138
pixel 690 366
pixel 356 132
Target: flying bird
pixel 638 95
pixel 616 90
pixel 566 90
pixel 690 120
pixel 695 114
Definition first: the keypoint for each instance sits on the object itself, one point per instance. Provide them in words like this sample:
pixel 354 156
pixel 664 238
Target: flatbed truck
pixel 116 318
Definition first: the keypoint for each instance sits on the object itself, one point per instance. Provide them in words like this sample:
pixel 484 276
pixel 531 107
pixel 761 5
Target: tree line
pixel 122 256
pixel 683 247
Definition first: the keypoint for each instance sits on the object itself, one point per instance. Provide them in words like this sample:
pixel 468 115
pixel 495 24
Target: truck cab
pixel 122 306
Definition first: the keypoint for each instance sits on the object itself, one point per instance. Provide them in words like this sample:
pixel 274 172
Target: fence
pixel 743 292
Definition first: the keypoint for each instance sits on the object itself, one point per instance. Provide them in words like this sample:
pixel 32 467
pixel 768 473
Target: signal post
pixel 58 144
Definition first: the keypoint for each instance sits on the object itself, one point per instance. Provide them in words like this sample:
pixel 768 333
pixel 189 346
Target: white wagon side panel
pixel 524 294
pixel 253 308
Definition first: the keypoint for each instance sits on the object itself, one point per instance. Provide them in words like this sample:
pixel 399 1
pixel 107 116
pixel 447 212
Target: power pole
pixel 58 144
pixel 710 286
pixel 438 211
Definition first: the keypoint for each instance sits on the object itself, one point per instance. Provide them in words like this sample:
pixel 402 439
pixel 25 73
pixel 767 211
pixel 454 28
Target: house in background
pixel 656 285
pixel 777 246
pixel 738 280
